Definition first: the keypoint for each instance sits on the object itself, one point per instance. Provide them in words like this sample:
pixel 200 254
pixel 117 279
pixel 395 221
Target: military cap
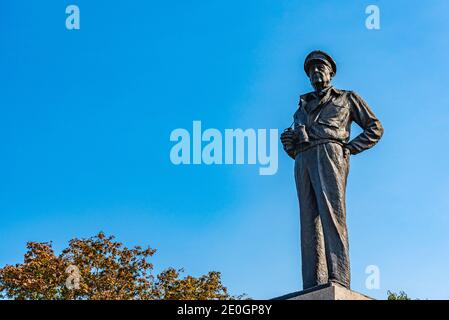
pixel 322 57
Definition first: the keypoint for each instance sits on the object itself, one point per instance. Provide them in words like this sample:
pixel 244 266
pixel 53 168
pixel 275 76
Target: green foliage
pixel 398 296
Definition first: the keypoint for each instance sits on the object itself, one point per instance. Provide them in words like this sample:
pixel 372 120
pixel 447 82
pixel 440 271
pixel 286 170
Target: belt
pixel 313 143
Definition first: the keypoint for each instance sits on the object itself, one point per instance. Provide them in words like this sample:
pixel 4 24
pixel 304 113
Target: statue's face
pixel 320 75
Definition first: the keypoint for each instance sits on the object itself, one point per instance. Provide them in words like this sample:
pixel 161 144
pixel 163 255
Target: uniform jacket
pixel 329 116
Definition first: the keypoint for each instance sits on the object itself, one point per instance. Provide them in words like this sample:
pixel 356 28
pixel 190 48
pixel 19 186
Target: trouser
pixel 321 174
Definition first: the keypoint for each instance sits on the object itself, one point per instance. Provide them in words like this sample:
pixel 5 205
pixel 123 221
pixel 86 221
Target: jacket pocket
pixel 334 114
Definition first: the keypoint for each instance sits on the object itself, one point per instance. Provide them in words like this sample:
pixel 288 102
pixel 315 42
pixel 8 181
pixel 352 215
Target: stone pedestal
pixel 329 291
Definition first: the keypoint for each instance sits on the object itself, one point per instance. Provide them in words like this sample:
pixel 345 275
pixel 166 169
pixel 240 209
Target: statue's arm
pixel 289 138
pixel 372 128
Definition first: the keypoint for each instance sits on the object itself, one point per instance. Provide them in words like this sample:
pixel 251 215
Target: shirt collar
pixel 323 92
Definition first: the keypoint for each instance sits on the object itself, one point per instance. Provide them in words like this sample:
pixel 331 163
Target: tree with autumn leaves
pixel 100 268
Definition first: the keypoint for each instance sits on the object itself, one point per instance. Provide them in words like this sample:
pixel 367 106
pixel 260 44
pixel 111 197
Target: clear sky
pixel 86 117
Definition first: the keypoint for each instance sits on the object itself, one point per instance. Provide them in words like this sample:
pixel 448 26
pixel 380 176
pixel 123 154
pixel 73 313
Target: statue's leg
pixel 313 257
pixel 329 176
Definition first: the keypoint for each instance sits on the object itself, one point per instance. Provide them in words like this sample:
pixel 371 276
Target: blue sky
pixel 86 118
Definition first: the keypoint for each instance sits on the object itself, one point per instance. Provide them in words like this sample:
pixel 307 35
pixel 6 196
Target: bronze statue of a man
pixel 319 144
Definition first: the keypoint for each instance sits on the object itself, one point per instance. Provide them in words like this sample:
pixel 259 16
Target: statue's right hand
pixel 289 137
pixel 289 140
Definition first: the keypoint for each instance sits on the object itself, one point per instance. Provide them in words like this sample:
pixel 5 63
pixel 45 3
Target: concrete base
pixel 329 291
